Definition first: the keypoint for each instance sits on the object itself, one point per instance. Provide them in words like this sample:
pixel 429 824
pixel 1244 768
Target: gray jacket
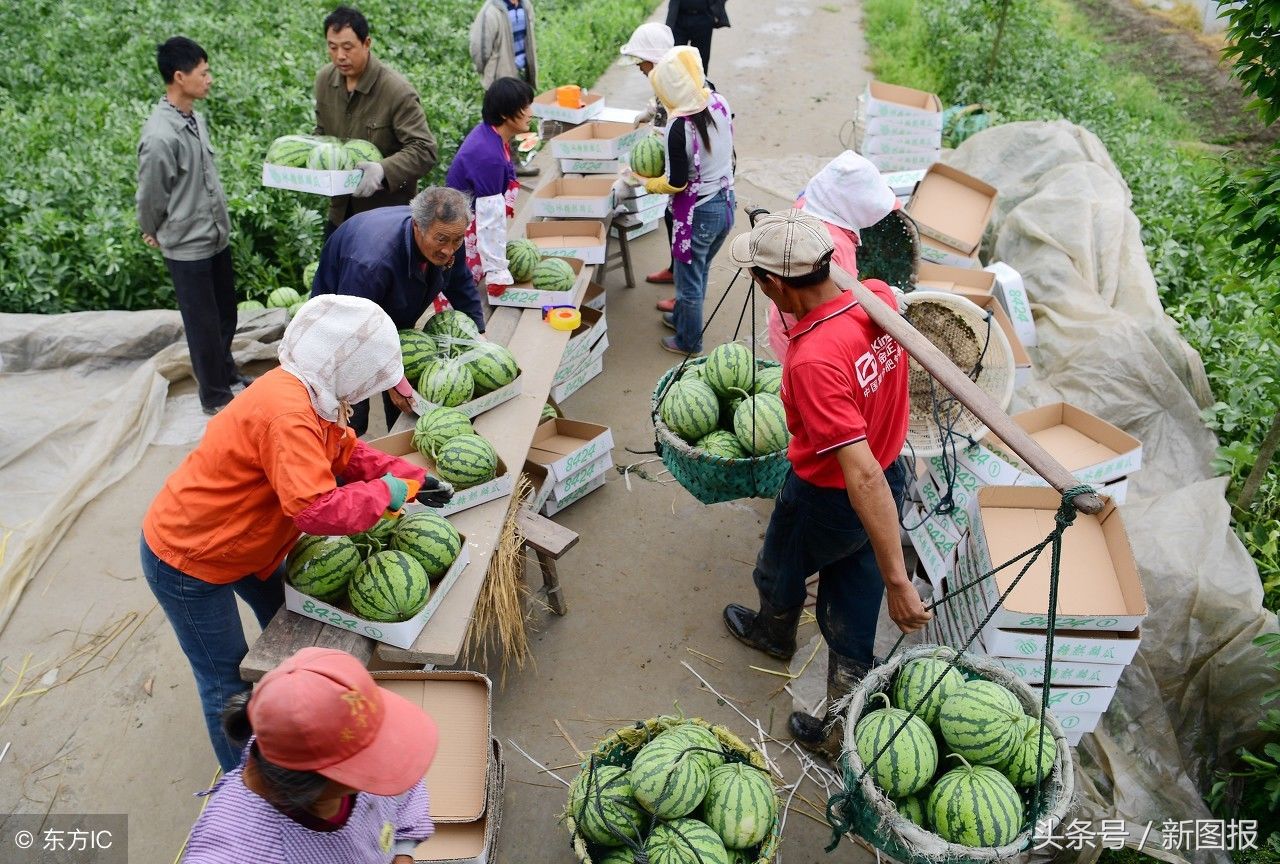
pixel 493 49
pixel 180 198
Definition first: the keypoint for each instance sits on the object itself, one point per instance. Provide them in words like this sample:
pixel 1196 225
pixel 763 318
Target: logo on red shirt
pixel 866 368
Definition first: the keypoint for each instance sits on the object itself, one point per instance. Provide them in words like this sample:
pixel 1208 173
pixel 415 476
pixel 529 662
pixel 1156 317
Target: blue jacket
pixel 373 255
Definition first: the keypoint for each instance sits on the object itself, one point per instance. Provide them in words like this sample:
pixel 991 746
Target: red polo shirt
pixel 844 381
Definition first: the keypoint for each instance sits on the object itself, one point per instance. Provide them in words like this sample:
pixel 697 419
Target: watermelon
pixel 601 804
pixel 684 841
pixel 249 305
pixel 690 409
pixel 549 412
pixel 769 380
pixel 617 855
pixel 910 761
pixel 917 676
pixel 912 809
pixel 649 157
pixel 454 331
pixel 721 443
pixel 975 805
pixel 430 540
pixel 446 382
pixel 667 778
pixel 1033 755
pixel 375 539
pixel 492 366
pixel 321 567
pixel 290 151
pixel 553 274
pixel 740 805
pixel 296 308
pixel 467 460
pixel 693 373
pixel 981 721
pixel 766 431
pixel 416 350
pixel 389 586
pixel 309 275
pixel 705 744
pixel 329 157
pixel 437 426
pixel 283 298
pixel 729 370
pixel 360 150
pixel 522 257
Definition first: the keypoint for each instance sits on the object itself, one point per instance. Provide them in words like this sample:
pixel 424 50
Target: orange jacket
pixel 265 470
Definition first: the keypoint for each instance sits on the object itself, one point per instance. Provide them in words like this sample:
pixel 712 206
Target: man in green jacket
pixel 358 97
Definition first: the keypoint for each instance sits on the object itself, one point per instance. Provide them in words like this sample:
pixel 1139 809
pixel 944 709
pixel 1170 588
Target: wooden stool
pixel 623 251
pixel 549 541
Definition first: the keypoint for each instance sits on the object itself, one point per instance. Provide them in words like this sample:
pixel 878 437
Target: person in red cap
pixel 331 771
pixel 279 460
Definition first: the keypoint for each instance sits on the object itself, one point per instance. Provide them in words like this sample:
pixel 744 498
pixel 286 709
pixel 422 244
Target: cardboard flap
pixel 907 97
pixel 552 233
pixel 952 207
pixel 576 187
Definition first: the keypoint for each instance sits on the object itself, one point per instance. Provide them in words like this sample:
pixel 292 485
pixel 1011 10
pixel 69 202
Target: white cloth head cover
pixel 648 42
pixel 344 349
pixel 849 192
pixel 679 82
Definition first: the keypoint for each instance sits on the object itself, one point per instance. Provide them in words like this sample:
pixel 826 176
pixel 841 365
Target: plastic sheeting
pixel 83 396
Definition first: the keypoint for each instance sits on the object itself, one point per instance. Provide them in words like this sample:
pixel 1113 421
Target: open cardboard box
pixel 1012 294
pixel 327 183
pixel 400 444
pixel 591 166
pixel 939 277
pixel 574 198
pixel 984 299
pixel 952 208
pixel 565 446
pixel 1099 586
pixel 470 842
pixel 583 339
pixel 1092 449
pixel 595 297
pixel 597 140
pixel 572 369
pixel 940 253
pixel 551 496
pixel 524 295
pixel 590 368
pixel 908 107
pixel 569 238
pixel 401 634
pixel 476 405
pixel 903 183
pixel 547 107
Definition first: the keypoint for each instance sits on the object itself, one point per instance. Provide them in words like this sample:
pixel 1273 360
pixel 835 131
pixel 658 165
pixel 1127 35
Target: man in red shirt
pixel 844 386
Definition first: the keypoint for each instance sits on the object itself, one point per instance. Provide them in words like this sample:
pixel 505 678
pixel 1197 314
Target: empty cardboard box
pixel 597 140
pixel 547 107
pixel 565 446
pixel 952 208
pixel 574 198
pixel 1092 449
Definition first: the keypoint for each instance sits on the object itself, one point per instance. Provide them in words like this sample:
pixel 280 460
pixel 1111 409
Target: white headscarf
pixel 649 42
pixel 849 192
pixel 344 349
pixel 679 82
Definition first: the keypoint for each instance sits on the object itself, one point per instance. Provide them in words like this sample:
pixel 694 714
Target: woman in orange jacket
pixel 279 460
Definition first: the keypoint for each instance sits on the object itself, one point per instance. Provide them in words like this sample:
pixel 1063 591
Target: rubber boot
pixel 770 630
pixel 825 736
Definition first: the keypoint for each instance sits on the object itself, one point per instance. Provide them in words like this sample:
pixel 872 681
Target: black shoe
pixel 213 409
pixel 243 380
pixel 769 630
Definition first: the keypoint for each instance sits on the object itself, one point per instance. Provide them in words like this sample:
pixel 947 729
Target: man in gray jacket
pixel 183 212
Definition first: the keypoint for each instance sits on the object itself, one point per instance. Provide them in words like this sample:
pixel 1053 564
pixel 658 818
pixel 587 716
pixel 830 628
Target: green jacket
pixel 385 110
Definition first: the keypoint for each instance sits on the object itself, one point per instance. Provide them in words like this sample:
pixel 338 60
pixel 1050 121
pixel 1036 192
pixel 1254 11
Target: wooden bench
pixel 549 541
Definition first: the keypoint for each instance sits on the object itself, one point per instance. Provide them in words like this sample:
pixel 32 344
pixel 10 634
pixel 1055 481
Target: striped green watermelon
pixel 437 426
pixel 309 275
pixel 389 586
pixel 446 382
pixel 763 430
pixel 684 841
pixel 740 805
pixel 430 539
pixel 296 308
pixel 601 804
pixel 522 257
pixel 742 856
pixel 649 157
pixel 769 380
pixel 729 369
pixel 467 460
pixel 720 443
pixel 321 567
pixel 375 539
pixel 249 305
pixel 668 779
pixel 553 274
pixel 705 743
pixel 290 151
pixel 492 366
pixel 416 349
pixel 981 722
pixel 283 298
pixel 975 805
pixel 694 372
pixel 360 150
pixel 910 761
pixel 549 412
pixel 329 157
pixel 912 809
pixel 454 331
pixel 690 409
pixel 1033 754
pixel 617 855
pixel 917 676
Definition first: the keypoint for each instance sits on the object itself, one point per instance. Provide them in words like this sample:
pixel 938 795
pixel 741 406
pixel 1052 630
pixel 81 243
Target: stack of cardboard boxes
pixel 568 460
pixel 583 357
pixel 898 129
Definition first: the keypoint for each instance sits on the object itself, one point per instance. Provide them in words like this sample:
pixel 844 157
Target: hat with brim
pixel 849 192
pixel 679 82
pixel 647 44
pixel 399 755
pixel 788 244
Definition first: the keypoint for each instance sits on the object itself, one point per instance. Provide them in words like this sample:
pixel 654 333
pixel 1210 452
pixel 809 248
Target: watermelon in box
pixel 553 274
pixel 491 365
pixel 437 426
pixel 523 256
pixel 321 567
pixel 389 586
pixel 446 382
pixel 467 460
pixel 430 540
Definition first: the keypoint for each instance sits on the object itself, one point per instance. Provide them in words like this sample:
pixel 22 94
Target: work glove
pixel 629 177
pixel 401 491
pixel 371 181
pixel 435 492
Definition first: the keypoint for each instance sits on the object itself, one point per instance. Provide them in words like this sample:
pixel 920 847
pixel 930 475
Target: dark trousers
pixel 360 414
pixel 815 530
pixel 696 31
pixel 206 291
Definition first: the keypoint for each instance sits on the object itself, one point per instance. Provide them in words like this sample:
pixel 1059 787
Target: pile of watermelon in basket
pixel 961 766
pixel 672 790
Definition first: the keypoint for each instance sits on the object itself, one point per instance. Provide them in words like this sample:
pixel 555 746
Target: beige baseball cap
pixel 791 243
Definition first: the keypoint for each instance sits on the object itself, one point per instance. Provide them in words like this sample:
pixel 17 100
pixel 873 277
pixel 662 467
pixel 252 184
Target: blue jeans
pixel 207 623
pixel 712 222
pixel 815 530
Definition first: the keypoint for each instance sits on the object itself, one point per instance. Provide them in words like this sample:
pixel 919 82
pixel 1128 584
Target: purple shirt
pixel 481 166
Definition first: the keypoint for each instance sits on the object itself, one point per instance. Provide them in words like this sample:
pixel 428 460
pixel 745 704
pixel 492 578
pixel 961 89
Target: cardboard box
pixel 400 444
pixel 597 140
pixel 400 634
pixel 590 166
pixel 1078 722
pixel 645 203
pixel 915 160
pixel 470 842
pixel 984 299
pixel 578 380
pixel 595 297
pixel 955 523
pixel 610 114
pixel 571 490
pixel 1092 449
pixel 1086 646
pixel 554 506
pixel 1012 294
pixel 569 238
pixel 593 327
pixel 903 183
pixel 1099 588
pixel 565 446
pixel 1080 699
pixel 964 280
pixel 327 183
pixel 1066 673
pixel 934 546
pixel 594 354
pixel 524 295
pixel 574 198
pixel 476 406
pixel 909 107
pixel 546 107
pixel 910 144
pixel 953 208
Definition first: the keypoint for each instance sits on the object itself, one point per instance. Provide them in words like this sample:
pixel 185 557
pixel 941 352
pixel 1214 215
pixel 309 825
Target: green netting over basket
pixel 620 749
pixel 875 818
pixel 712 479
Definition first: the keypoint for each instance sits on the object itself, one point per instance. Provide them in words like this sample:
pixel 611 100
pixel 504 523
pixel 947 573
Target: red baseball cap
pixel 321 711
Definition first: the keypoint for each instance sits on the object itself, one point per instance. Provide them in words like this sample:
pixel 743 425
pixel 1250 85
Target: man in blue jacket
pixel 402 258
